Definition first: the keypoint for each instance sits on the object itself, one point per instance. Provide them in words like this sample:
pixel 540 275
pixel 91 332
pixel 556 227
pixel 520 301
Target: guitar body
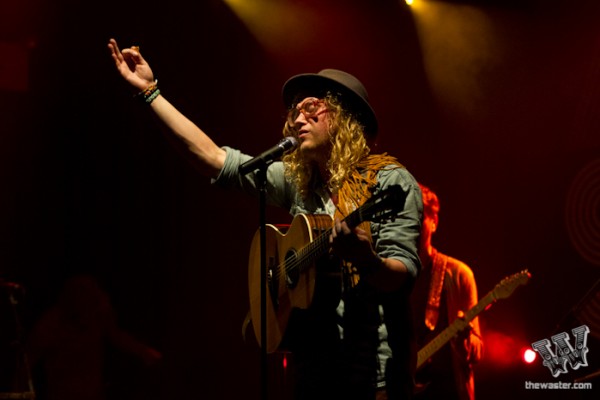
pixel 290 283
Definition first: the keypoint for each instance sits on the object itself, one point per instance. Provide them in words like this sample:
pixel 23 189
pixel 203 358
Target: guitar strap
pixel 357 189
pixel 438 271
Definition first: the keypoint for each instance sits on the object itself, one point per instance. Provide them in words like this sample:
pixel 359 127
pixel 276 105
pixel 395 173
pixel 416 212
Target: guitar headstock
pixel 384 205
pixel 508 285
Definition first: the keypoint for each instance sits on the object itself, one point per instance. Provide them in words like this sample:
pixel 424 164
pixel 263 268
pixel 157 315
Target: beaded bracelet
pixel 149 94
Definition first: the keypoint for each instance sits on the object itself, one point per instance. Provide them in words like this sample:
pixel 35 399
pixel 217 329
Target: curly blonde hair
pixel 348 147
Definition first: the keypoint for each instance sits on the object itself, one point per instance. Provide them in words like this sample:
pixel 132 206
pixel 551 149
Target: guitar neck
pixel 385 204
pixel 315 249
pixel 501 291
pixel 458 325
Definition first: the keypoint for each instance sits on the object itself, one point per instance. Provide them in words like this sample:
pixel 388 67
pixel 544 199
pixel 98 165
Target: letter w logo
pixel 565 353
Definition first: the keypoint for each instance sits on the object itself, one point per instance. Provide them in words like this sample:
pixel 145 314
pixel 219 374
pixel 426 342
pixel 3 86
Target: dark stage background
pixel 493 104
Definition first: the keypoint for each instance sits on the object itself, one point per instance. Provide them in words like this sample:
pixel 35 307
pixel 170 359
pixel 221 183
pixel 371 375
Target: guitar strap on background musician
pixel 357 189
pixel 438 271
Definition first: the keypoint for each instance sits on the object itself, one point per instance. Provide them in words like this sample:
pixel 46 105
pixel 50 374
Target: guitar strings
pixel 307 254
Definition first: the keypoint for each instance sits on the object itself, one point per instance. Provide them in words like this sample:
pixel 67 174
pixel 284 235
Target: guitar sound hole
pixel 292 271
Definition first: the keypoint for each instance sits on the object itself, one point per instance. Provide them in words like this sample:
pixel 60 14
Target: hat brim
pixel 306 85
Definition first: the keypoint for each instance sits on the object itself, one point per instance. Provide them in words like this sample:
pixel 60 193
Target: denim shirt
pixel 363 309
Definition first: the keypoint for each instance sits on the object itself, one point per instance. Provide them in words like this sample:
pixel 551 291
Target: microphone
pixel 284 146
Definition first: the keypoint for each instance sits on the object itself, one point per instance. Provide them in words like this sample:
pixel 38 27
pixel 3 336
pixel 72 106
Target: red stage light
pixel 529 355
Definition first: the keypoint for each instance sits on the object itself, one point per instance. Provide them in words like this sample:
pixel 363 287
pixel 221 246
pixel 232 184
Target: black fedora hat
pixel 348 88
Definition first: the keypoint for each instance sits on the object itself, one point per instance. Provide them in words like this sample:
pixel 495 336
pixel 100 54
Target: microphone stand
pixel 259 166
pixel 261 184
pixel 261 178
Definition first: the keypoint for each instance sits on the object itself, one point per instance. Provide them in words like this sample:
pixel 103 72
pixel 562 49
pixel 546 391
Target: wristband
pixel 149 94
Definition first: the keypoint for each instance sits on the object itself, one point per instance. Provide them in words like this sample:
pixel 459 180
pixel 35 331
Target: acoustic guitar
pixel 291 258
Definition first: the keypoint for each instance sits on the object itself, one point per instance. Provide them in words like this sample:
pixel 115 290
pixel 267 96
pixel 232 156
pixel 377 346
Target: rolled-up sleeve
pixel 279 191
pixel 399 238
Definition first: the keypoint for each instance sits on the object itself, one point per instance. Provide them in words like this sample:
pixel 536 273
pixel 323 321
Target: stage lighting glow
pixel 459 41
pixel 274 31
pixel 409 2
pixel 529 355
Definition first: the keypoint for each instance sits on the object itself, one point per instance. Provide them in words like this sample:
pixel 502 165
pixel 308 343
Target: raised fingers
pixel 115 52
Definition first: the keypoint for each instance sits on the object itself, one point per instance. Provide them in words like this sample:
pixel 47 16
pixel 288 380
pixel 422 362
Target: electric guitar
pixel 502 290
pixel 291 258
